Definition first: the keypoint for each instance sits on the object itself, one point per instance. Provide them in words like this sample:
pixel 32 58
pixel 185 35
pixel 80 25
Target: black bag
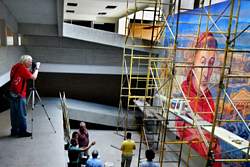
pixel 6 95
pixel 14 96
pixel 4 101
pixel 10 95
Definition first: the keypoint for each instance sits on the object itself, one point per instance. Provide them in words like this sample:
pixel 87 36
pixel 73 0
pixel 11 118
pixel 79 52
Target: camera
pixel 34 66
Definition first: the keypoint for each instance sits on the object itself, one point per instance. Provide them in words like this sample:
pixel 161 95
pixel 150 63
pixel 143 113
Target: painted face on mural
pixel 206 59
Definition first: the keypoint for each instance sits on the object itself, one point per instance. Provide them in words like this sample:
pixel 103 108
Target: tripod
pixel 33 94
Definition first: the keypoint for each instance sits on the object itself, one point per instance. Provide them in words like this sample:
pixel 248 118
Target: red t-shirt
pixel 198 105
pixel 19 75
pixel 83 138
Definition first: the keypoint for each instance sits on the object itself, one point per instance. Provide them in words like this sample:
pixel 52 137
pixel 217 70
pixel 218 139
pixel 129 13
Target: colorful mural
pixel 238 88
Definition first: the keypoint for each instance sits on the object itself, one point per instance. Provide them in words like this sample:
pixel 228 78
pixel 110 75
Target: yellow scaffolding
pixel 151 81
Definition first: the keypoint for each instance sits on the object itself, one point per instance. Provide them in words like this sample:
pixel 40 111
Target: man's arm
pixel 88 147
pixel 122 147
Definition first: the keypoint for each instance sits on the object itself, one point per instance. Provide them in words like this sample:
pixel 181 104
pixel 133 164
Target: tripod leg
pixel 32 95
pixel 28 100
pixel 43 106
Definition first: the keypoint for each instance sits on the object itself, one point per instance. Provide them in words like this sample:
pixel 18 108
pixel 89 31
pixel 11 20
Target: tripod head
pixel 32 94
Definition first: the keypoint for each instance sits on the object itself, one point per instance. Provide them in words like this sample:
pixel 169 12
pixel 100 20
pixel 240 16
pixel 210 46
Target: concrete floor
pixel 46 149
pixel 107 144
pixel 104 139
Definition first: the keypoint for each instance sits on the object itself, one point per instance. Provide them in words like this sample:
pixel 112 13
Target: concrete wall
pixel 38 29
pixel 103 37
pixel 6 15
pixel 99 67
pixel 103 89
pixel 93 35
pixel 99 87
pixel 8 57
pixel 70 51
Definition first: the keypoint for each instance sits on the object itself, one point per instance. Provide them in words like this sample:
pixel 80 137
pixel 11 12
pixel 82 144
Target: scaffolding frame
pixel 150 87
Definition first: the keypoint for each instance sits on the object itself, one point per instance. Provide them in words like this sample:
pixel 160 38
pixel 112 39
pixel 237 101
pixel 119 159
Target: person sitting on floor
pixel 94 161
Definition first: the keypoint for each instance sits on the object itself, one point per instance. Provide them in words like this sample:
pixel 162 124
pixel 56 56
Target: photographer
pixel 18 82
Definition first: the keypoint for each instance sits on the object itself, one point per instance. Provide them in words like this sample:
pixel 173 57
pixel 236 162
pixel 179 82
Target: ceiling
pixel 88 10
pixel 48 11
pixel 33 11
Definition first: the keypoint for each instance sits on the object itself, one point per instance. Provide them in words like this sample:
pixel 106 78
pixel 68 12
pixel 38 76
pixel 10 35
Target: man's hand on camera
pixel 38 65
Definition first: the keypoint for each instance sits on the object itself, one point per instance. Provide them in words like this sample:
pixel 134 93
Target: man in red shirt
pixel 18 82
pixel 83 135
pixel 195 88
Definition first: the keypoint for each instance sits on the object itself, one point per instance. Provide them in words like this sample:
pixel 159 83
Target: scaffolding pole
pixel 151 75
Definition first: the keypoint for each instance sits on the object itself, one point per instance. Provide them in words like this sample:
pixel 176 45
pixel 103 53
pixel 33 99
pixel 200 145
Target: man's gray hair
pixel 25 58
pixel 83 124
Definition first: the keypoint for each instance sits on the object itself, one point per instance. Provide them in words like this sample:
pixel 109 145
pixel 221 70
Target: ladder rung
pixel 237 76
pixel 188 23
pixel 173 151
pixel 186 9
pixel 151 133
pixel 153 119
pixel 205 14
pixel 223 32
pixel 170 161
pixel 153 141
pixel 126 88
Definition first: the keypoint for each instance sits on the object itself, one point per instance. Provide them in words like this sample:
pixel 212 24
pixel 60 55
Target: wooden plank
pixel 149 111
